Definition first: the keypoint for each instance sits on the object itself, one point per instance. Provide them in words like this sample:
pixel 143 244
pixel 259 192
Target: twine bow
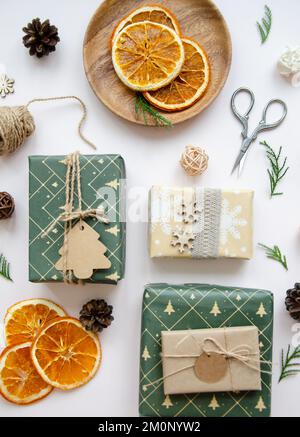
pixel 69 214
pixel 241 353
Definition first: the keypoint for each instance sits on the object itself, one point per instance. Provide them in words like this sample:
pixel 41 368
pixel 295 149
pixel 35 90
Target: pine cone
pixel 292 301
pixel 40 38
pixel 96 315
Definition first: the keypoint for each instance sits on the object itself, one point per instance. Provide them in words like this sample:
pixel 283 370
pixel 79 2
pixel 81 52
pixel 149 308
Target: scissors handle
pixel 263 124
pixel 243 117
pixel 275 123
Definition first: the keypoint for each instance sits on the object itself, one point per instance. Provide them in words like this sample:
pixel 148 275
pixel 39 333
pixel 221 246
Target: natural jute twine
pixel 73 186
pixel 17 124
pixel 194 160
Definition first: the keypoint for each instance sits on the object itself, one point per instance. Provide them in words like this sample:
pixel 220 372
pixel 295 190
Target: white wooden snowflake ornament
pixel 190 212
pixel 6 85
pixel 183 239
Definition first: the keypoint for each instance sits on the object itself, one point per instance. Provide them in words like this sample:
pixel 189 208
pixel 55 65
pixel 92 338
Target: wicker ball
pixel 7 205
pixel 194 160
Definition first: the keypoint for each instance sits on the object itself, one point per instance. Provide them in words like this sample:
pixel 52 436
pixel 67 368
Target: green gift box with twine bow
pixel 101 192
pixel 201 306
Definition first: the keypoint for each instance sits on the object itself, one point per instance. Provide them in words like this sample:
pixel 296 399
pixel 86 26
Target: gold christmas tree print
pixel 145 354
pixel 113 230
pixel 260 406
pixel 261 310
pixel 113 277
pixel 214 403
pixel 113 184
pixel 169 308
pixel 215 309
pixel 84 252
pixel 167 402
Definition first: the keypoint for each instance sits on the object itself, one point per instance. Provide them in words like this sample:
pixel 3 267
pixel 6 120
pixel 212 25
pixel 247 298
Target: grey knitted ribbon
pixel 207 228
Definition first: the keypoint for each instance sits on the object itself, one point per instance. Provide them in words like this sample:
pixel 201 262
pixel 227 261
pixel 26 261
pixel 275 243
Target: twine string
pixel 69 214
pixel 82 120
pixel 69 198
pixel 241 353
pixel 17 124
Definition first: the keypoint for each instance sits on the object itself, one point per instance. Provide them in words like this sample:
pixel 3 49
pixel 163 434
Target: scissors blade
pixel 238 161
pixel 242 164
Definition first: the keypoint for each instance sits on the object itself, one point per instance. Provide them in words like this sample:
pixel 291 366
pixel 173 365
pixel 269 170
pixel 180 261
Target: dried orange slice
pixel 24 319
pixel 66 355
pixel 154 13
pixel 189 85
pixel 20 383
pixel 147 56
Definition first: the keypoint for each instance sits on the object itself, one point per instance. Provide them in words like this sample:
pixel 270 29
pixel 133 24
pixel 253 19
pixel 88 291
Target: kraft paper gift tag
pixel 83 252
pixel 211 360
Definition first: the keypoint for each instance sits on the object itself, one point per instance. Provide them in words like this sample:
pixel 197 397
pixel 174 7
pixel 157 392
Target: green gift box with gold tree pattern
pixel 196 306
pixel 102 185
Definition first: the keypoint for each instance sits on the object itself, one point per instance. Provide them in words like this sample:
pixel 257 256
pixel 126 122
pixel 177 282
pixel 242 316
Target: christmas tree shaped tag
pixel 83 252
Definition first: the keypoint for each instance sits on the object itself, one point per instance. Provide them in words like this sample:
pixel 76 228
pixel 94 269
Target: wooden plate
pixel 199 19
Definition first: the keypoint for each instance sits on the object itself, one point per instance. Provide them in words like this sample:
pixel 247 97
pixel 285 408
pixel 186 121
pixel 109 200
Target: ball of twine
pixel 16 124
pixel 7 205
pixel 194 160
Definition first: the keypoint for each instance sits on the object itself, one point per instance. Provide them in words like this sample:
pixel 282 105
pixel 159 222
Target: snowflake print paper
pixel 6 85
pixel 165 207
pixel 231 221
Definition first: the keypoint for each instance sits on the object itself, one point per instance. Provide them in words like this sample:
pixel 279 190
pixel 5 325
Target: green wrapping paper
pixel 194 306
pixel 102 183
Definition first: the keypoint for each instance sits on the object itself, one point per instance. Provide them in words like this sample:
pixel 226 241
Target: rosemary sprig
pixel 143 106
pixel 4 268
pixel 275 254
pixel 289 368
pixel 265 26
pixel 277 169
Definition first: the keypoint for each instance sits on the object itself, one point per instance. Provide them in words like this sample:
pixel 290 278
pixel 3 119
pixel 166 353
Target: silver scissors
pixel 263 125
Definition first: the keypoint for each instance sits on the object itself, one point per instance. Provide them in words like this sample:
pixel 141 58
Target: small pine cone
pixel 40 38
pixel 96 315
pixel 292 301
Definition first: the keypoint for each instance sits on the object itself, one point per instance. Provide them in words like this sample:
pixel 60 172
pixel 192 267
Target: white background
pixel 151 158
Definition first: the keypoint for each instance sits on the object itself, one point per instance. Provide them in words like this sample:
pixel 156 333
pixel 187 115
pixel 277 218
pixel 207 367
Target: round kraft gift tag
pixel 211 367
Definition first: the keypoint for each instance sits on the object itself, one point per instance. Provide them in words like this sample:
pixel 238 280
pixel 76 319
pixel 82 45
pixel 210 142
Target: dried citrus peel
pixel 153 13
pixel 24 319
pixel 66 355
pixel 147 56
pixel 189 86
pixel 20 383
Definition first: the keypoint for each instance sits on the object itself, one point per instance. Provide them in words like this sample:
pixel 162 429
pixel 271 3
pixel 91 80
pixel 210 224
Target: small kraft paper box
pixel 236 324
pixel 102 187
pixel 215 359
pixel 190 222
